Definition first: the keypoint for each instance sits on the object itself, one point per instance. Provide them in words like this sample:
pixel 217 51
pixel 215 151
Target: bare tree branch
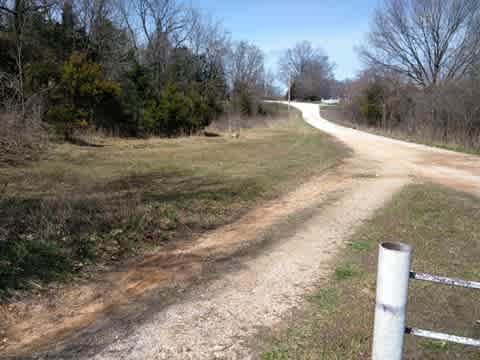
pixel 428 41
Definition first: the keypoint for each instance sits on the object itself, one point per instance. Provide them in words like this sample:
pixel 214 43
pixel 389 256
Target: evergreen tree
pixel 81 89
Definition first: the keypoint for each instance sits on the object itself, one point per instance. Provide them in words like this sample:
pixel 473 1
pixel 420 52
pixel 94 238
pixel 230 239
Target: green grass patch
pixel 325 298
pixel 443 228
pixel 344 272
pixel 91 205
pixel 360 245
pixel 277 354
pixel 433 346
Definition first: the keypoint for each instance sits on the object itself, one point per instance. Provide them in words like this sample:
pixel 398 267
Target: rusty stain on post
pixel 445 281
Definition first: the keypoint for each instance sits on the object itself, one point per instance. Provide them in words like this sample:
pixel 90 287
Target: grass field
pixel 82 206
pixel 443 228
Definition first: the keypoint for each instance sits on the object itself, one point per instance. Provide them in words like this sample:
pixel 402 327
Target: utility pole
pixel 289 93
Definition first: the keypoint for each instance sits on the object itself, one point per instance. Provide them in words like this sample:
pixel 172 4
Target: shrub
pixel 82 87
pixel 176 112
pixel 371 105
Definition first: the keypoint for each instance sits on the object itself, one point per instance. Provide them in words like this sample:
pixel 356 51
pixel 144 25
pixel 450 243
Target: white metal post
pixel 392 294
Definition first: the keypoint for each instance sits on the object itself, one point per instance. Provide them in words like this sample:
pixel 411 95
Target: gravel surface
pixel 218 318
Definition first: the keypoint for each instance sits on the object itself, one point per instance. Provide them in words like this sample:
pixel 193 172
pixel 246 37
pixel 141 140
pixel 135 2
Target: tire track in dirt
pixel 217 321
pixel 95 303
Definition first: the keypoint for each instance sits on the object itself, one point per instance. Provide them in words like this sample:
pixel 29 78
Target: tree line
pixel 133 67
pixel 422 73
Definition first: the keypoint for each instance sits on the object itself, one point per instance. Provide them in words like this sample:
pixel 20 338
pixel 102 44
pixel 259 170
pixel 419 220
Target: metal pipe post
pixel 392 294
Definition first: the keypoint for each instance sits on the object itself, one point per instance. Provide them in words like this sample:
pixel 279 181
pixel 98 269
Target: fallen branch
pixel 211 134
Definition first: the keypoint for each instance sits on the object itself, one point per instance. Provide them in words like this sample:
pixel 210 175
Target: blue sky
pixel 274 25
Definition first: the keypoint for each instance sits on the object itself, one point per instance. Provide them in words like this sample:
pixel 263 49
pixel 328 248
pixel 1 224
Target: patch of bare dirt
pixel 217 321
pixel 32 325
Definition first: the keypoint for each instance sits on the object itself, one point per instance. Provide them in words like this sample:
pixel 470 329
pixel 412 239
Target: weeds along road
pixel 399 158
pixel 221 318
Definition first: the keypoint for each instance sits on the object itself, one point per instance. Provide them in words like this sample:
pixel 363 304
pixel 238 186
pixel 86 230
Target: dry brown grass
pixel 424 134
pixel 84 206
pixel 273 115
pixel 443 228
pixel 20 141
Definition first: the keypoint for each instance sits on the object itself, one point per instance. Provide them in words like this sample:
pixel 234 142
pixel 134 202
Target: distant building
pixel 331 101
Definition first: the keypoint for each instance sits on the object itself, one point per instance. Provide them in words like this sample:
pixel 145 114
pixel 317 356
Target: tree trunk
pixel 19 18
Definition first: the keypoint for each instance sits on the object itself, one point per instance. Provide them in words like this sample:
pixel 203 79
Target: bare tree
pixel 308 69
pixel 125 9
pixel 164 25
pixel 270 88
pixel 427 41
pixel 19 12
pixel 207 37
pixel 103 24
pixel 245 73
pixel 246 66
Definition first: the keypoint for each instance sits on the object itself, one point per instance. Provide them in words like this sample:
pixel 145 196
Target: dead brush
pixel 21 140
pixel 3 189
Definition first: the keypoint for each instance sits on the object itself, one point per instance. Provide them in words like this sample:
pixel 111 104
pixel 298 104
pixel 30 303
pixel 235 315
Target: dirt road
pixel 221 317
pixel 402 158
